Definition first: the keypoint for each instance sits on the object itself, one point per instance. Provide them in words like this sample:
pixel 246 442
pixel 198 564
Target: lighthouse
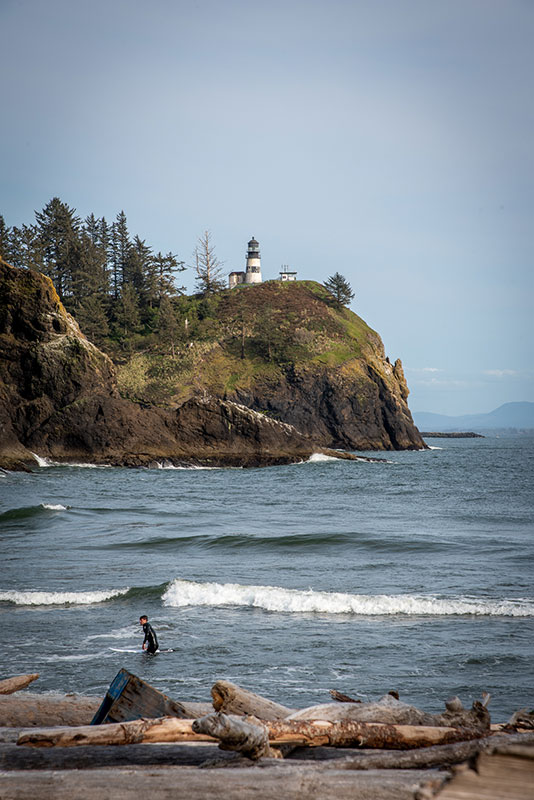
pixel 253 273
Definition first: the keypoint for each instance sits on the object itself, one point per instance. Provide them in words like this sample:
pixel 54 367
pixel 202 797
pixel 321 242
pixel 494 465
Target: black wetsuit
pixel 151 640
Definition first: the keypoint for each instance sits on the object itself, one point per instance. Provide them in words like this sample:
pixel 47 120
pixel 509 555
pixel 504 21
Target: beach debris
pixel 520 720
pixel 311 733
pixel 14 684
pixel 342 698
pixel 232 699
pixel 29 709
pixel 235 733
pixel 129 698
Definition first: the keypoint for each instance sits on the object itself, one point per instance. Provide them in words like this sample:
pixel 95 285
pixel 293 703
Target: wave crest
pixel 182 593
pixel 32 598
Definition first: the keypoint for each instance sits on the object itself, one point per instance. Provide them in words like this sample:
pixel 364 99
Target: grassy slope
pixel 298 322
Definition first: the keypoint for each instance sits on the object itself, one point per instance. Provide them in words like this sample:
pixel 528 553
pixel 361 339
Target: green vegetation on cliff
pixel 233 339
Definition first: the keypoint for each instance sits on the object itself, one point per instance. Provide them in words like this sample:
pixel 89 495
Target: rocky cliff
pixel 59 399
pixel 289 351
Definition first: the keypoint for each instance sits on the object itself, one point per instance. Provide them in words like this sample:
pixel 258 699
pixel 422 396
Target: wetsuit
pixel 150 639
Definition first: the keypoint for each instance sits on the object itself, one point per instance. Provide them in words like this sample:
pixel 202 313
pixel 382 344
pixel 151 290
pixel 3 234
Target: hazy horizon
pixel 391 142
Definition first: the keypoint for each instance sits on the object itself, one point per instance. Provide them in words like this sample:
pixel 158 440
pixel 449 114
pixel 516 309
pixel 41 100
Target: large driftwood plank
pixel 11 685
pixel 232 699
pixel 170 783
pixel 29 709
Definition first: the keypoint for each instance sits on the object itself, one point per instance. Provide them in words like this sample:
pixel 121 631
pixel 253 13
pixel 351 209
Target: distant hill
pixel 509 415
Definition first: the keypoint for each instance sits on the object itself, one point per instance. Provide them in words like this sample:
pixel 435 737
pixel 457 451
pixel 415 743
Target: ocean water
pixel 415 574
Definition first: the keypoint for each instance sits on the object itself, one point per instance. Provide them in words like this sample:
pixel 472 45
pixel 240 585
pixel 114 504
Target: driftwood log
pixel 280 732
pixel 31 709
pixel 233 699
pixel 10 685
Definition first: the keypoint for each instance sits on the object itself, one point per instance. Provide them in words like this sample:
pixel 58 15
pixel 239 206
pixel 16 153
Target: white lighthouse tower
pixel 253 273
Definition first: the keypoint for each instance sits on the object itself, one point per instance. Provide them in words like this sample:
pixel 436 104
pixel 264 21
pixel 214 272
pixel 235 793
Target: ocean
pixel 413 574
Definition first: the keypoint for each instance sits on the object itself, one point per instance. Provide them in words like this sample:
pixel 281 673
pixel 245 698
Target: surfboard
pixel 139 650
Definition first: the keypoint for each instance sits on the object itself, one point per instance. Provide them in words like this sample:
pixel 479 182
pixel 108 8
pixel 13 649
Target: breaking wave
pixel 182 593
pixel 47 462
pixel 33 598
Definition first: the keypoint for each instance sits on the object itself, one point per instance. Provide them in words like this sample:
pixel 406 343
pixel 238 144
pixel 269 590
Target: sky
pixel 388 140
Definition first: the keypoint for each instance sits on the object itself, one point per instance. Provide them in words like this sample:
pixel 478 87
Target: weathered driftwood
pixel 164 729
pixel 234 733
pixel 233 699
pixel 295 782
pixel 504 773
pixel 129 755
pixel 29 709
pixel 521 720
pixel 389 710
pixel 280 732
pixel 342 698
pixel 11 685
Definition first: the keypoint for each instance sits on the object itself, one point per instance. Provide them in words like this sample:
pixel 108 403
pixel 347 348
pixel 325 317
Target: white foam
pixel 319 457
pixel 47 462
pixel 42 462
pixel 433 447
pixel 168 465
pixel 182 593
pixel 32 598
pixel 56 507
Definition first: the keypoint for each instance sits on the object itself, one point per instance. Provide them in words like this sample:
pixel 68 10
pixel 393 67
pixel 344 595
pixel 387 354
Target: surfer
pixel 150 643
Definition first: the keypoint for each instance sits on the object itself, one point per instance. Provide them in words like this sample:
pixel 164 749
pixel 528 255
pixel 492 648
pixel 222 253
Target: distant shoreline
pixel 452 435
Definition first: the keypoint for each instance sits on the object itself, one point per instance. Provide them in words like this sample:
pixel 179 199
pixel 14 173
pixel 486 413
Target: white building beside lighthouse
pixel 253 267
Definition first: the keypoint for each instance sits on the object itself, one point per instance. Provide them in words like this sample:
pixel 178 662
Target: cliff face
pixel 330 387
pixel 287 350
pixel 58 398
pixel 357 406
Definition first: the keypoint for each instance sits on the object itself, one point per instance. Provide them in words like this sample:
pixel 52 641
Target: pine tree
pixel 58 229
pixel 91 316
pixel 127 314
pixel 340 288
pixel 208 267
pixel 4 239
pixel 32 249
pixel 167 323
pixel 162 278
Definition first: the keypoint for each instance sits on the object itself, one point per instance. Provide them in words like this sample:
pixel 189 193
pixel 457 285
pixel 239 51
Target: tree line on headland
pixel 122 293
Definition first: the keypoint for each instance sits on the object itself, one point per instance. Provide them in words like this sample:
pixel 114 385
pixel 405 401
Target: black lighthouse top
pixel 254 247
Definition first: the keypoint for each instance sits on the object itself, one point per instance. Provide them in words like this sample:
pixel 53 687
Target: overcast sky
pixel 389 140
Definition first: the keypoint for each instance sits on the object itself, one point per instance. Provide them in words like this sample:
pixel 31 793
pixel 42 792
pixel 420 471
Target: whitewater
pixel 413 573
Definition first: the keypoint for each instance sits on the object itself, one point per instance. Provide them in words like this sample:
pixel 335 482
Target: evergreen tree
pixel 208 267
pixel 167 323
pixel 162 277
pixel 4 239
pixel 32 250
pixel 340 289
pixel 91 316
pixel 127 313
pixel 16 247
pixel 58 229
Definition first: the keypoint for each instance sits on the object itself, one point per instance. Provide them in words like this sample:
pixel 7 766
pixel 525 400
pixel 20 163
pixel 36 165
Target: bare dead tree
pixel 208 267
